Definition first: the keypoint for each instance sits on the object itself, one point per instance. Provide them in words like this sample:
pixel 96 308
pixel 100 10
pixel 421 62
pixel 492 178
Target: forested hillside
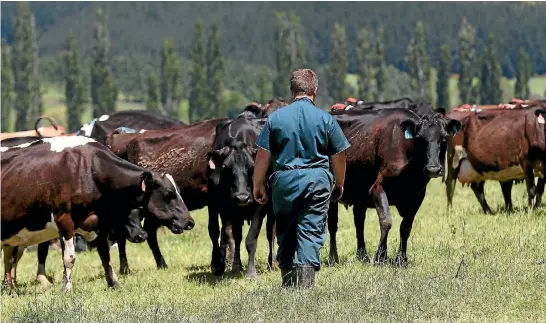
pixel 138 28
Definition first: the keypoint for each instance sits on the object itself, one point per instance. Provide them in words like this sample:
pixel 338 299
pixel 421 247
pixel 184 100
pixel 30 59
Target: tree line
pixel 209 95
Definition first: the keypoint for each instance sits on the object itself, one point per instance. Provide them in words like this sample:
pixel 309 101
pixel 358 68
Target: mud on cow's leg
pixel 359 213
pixel 151 228
pixel 9 259
pixel 478 189
pixel 228 241
pixel 251 241
pixel 385 222
pixel 41 278
pixel 507 194
pixel 333 258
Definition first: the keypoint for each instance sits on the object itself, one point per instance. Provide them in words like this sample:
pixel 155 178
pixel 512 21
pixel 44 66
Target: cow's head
pixel 231 170
pixel 163 202
pixel 430 133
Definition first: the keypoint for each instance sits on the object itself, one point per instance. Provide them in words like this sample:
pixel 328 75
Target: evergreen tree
pixel 74 86
pixel 7 88
pixel 442 85
pixel 338 64
pixel 364 56
pixel 381 68
pixel 490 90
pixel 523 75
pixel 169 83
pixel 263 85
pixel 215 69
pixel 198 100
pixel 419 63
pixel 36 105
pixel 289 48
pixel 467 57
pixel 22 65
pixel 152 100
pixel 104 92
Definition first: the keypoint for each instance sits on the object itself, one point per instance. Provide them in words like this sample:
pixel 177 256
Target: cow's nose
pixel 434 171
pixel 190 224
pixel 243 197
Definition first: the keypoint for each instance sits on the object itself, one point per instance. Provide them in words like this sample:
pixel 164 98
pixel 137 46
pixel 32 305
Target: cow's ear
pixel 146 181
pixel 540 113
pixel 453 126
pixel 410 128
pixel 210 160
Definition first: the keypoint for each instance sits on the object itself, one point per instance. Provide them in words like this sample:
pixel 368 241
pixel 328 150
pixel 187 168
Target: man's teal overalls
pixel 300 137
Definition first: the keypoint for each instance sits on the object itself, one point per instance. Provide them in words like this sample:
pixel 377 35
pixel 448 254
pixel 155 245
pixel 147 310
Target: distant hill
pixel 138 28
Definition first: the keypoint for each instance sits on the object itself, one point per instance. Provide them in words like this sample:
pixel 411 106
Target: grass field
pixel 464 266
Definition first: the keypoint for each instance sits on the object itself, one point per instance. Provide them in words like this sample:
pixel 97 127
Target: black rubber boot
pixel 305 277
pixel 288 277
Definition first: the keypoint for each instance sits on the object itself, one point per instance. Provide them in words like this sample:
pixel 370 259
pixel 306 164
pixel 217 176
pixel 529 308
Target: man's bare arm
pixel 260 169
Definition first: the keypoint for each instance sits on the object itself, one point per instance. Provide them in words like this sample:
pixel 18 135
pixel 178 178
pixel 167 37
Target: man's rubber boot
pixel 305 277
pixel 288 277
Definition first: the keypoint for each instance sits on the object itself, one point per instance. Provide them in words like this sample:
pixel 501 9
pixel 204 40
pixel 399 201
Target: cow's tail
pixel 51 120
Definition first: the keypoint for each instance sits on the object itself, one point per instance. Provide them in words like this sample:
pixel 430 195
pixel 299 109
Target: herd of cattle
pixel 124 175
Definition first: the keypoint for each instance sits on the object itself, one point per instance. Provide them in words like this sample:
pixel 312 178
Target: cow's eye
pixel 169 195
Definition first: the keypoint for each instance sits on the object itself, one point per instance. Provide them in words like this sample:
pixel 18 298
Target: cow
pixel 231 165
pixel 273 105
pixel 457 159
pixel 78 185
pixel 394 154
pixel 50 131
pixel 180 151
pixel 99 128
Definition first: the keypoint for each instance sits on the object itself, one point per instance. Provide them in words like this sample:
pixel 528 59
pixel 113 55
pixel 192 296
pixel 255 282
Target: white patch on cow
pixel 88 127
pixel 540 118
pixel 69 256
pixel 142 131
pixel 171 179
pixel 211 164
pixel 104 117
pixel 58 144
pixel 2 149
pixel 87 235
pixel 25 238
pixel 467 174
pixel 459 154
pixel 25 145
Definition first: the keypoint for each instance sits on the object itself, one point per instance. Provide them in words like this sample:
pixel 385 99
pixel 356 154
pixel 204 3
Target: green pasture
pixel 464 266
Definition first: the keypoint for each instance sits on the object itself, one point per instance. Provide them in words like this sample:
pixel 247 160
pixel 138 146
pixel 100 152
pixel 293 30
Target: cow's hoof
pixel 162 265
pixel 363 256
pixel 217 270
pixel 401 261
pixel 114 285
pixel 124 270
pixel 251 275
pixel 67 287
pixel 380 260
pixel 236 268
pixel 43 281
pixel 333 260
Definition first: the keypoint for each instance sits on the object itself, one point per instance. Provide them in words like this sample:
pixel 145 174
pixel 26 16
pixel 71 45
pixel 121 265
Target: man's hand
pixel 260 194
pixel 337 193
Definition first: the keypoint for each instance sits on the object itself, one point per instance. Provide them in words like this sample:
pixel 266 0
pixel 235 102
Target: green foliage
pixel 74 93
pixel 199 109
pixel 215 70
pixel 523 75
pixel 380 66
pixel 339 64
pixel 419 64
pixel 264 86
pixel 490 90
pixel 7 88
pixel 289 49
pixel 169 82
pixel 442 84
pixel 467 58
pixel 365 58
pixel 152 100
pixel 103 88
pixel 22 65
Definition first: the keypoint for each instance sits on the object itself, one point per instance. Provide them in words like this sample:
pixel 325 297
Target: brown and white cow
pixel 58 186
pixel 500 145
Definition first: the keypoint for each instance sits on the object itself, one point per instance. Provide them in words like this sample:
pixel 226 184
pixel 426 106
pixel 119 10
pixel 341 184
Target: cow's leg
pixel 539 191
pixel 122 249
pixel 333 258
pixel 407 212
pixel 217 263
pixel 271 227
pixel 66 234
pixel 237 229
pixel 104 253
pixel 359 212
pixel 451 182
pixel 478 190
pixel 507 194
pixel 9 264
pixel 529 175
pixel 151 228
pixel 228 241
pixel 252 240
pixel 43 250
pixel 385 222
pixel 18 254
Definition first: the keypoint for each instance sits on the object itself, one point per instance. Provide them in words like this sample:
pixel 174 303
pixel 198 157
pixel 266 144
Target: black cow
pixel 58 186
pixel 100 128
pixel 394 154
pixel 231 165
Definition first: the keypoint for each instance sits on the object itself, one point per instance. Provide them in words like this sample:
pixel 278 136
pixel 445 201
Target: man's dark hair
pixel 303 81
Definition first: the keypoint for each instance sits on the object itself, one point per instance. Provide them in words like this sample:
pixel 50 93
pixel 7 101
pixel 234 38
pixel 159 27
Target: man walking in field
pixel 299 140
